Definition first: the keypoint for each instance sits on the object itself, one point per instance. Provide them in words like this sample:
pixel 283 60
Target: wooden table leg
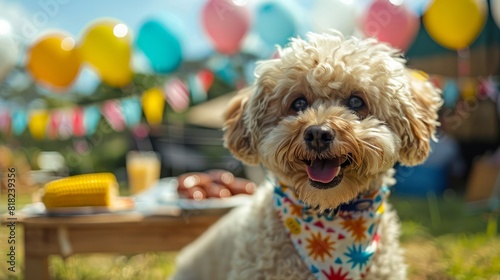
pixel 36 268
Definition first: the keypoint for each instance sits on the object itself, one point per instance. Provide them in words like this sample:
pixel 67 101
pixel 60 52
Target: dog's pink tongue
pixel 323 171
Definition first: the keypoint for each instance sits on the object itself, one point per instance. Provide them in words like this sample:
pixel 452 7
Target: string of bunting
pixel 120 113
pixel 467 89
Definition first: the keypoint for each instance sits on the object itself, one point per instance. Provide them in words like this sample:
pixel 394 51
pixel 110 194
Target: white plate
pixel 164 193
pixel 120 205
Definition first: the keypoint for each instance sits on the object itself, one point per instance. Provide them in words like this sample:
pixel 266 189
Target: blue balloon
pixel 160 41
pixel 274 23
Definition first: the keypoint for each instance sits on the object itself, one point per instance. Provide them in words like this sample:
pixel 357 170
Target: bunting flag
pixel 112 113
pixel 199 84
pixel 5 121
pixel 38 123
pixel 132 112
pixel 78 123
pixel 127 112
pixel 153 105
pixel 54 123
pixel 91 118
pixel 19 121
pixel 177 94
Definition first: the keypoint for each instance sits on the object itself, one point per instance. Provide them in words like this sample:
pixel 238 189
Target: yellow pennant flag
pixel 37 123
pixel 153 104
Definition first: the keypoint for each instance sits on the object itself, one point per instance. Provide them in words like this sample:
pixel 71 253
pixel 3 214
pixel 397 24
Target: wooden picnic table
pixel 119 233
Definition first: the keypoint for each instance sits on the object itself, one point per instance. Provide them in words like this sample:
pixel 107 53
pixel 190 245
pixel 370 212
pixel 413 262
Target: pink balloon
pixel 226 22
pixel 394 24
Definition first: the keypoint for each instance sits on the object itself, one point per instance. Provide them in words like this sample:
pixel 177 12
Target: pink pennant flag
pixel 5 121
pixel 54 123
pixel 77 120
pixel 65 125
pixel 113 114
pixel 177 94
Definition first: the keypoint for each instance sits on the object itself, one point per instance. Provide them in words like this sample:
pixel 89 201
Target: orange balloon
pixel 106 46
pixel 54 61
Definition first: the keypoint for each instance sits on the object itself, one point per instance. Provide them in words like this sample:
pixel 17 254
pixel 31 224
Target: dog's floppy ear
pixel 236 134
pixel 421 113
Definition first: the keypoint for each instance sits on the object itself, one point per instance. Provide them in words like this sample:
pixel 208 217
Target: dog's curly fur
pixel 313 83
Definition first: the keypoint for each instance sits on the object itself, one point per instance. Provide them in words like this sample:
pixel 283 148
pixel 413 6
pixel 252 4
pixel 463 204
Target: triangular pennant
pixel 55 118
pixel 91 117
pixel 177 94
pixel 153 104
pixel 66 124
pixel 78 122
pixel 19 121
pixel 113 115
pixel 196 89
pixel 206 78
pixel 131 110
pixel 5 121
pixel 37 123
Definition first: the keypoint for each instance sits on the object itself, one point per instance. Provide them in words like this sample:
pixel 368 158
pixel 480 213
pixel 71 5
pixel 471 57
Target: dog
pixel 328 120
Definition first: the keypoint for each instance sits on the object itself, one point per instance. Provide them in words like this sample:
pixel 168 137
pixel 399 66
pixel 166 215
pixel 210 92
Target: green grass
pixel 442 238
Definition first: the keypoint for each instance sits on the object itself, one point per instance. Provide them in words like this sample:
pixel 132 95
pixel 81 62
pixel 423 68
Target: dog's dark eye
pixel 355 103
pixel 300 104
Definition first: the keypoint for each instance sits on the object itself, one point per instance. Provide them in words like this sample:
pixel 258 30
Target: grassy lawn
pixel 443 240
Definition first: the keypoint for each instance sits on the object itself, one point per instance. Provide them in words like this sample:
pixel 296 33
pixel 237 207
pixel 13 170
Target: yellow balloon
pixel 153 104
pixel 38 123
pixel 106 45
pixel 54 61
pixel 455 24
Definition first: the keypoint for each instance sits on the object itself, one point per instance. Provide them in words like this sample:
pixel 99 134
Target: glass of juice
pixel 143 170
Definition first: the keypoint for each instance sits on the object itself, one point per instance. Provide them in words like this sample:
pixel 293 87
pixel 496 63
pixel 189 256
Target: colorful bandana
pixel 337 244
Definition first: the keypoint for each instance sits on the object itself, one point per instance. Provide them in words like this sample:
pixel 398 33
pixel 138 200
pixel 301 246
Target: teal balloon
pixel 19 122
pixel 91 118
pixel 451 94
pixel 274 23
pixel 159 40
pixel 132 112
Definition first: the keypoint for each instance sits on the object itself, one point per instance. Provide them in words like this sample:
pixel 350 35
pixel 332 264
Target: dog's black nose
pixel 318 137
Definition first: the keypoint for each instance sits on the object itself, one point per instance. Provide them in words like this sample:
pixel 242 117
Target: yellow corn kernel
pixel 97 189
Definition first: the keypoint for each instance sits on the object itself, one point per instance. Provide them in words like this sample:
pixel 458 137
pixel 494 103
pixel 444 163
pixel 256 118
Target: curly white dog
pixel 328 120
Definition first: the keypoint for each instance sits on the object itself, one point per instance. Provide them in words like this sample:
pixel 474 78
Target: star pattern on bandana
pixel 339 244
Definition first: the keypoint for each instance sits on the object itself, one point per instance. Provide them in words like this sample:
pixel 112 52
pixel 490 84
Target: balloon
pixel 38 123
pixel 53 61
pixel 226 23
pixel 333 14
pixel 455 24
pixel 106 45
pixel 153 104
pixel 393 24
pixel 495 12
pixel 159 40
pixel 274 23
pixel 8 54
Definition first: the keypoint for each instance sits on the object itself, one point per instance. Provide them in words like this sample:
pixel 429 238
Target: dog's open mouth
pixel 326 173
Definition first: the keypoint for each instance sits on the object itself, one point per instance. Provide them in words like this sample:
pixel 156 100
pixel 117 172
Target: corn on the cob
pixel 98 189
